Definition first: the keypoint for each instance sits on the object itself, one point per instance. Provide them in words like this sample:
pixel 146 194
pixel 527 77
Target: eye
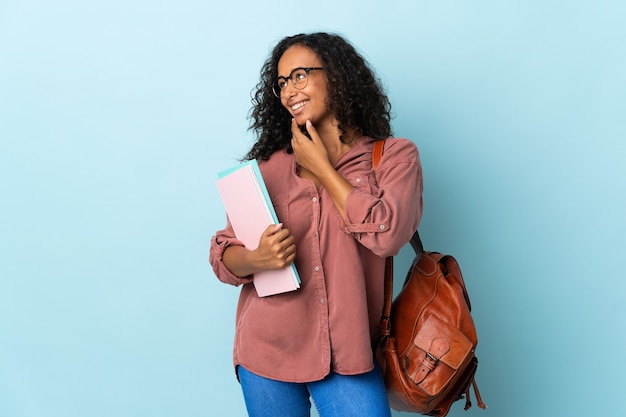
pixel 299 75
pixel 281 83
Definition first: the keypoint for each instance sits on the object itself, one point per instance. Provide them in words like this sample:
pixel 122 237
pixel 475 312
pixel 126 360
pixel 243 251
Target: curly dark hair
pixel 355 95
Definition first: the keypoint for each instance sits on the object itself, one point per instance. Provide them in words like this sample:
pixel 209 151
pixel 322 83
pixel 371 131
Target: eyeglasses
pixel 299 77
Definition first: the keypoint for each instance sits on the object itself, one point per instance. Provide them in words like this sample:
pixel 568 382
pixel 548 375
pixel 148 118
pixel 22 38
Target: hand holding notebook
pixel 250 212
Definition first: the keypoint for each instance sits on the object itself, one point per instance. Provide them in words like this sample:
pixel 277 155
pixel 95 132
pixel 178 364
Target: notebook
pixel 250 211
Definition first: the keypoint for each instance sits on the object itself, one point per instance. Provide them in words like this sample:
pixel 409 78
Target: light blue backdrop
pixel 115 117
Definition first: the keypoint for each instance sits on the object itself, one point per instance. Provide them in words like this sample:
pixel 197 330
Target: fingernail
pixel 308 123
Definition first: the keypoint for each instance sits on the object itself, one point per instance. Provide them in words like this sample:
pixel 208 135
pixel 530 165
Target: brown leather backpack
pixel 427 337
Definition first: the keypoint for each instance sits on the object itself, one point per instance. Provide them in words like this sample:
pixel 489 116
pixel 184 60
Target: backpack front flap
pixel 438 351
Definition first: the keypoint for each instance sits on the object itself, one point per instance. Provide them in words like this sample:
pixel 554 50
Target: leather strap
pixel 439 347
pixel 384 328
pixel 377 153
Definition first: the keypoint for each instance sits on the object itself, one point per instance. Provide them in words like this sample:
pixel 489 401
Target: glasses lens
pixel 278 86
pixel 299 78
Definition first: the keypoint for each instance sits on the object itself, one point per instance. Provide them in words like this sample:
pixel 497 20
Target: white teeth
pixel 297 106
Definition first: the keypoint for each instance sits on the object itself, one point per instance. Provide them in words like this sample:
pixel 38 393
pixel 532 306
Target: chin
pixel 300 120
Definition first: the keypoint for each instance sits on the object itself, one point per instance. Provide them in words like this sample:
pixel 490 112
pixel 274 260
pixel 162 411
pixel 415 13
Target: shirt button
pixel 317 268
pixel 358 180
pixel 321 301
pixel 382 227
pixel 314 199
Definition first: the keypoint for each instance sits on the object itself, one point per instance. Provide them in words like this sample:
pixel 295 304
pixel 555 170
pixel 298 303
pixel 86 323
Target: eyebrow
pixel 290 72
pixel 295 68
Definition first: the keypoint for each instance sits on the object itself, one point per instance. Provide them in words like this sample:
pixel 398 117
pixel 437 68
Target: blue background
pixel 115 117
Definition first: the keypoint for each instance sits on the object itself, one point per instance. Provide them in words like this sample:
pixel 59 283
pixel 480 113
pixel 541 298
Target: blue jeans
pixel 334 396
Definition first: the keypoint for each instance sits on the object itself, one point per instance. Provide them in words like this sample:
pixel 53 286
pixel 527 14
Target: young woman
pixel 318 110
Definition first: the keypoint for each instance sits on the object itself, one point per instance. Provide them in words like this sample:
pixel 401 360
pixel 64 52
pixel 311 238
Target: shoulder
pixel 399 150
pixel 277 165
pixel 277 159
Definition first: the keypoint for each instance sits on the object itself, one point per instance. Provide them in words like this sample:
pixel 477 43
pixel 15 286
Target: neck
pixel 330 134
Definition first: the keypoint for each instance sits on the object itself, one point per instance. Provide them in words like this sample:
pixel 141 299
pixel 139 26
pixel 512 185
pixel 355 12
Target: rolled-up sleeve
pixel 384 219
pixel 219 242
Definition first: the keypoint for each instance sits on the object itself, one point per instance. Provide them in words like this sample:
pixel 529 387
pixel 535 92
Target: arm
pixel 384 218
pixel 234 264
pixel 276 250
pixel 312 155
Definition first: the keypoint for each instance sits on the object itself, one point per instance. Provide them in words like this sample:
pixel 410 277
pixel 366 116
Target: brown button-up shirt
pixel 329 323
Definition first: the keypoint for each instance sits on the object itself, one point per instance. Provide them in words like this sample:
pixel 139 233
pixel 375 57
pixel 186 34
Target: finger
pixel 272 229
pixel 286 251
pixel 289 259
pixel 295 130
pixel 285 238
pixel 312 131
pixel 290 250
pixel 287 254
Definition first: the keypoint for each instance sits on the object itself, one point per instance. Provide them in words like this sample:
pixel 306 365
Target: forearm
pixel 337 187
pixel 276 250
pixel 240 261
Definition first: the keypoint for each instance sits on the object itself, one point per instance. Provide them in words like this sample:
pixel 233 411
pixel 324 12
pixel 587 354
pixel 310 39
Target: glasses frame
pixel 288 78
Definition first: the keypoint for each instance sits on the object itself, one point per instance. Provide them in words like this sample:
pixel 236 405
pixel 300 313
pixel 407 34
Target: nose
pixel 289 90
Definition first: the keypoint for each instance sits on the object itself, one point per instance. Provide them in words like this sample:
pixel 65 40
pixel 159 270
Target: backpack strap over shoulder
pixel 385 323
pixel 416 243
pixel 377 153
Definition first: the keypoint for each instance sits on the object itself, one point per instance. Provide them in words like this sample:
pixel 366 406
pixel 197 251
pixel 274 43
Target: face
pixel 309 103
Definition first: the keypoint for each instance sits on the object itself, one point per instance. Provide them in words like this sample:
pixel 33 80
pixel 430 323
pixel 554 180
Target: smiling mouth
pixel 298 106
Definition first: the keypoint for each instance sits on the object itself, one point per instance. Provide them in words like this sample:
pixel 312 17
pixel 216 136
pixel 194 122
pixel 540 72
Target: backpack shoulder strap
pixel 377 153
pixel 384 328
